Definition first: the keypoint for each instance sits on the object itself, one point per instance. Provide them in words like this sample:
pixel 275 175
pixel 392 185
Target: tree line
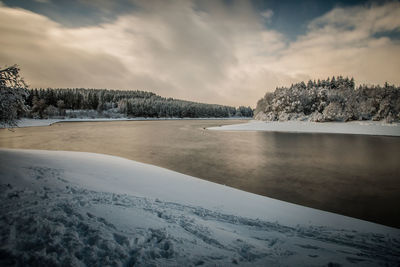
pixel 51 102
pixel 335 99
pixel 17 101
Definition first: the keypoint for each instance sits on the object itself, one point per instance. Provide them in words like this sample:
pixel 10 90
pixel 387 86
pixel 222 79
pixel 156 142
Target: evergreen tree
pixel 331 100
pixel 12 96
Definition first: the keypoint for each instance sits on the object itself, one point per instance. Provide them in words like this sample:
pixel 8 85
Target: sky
pixel 226 52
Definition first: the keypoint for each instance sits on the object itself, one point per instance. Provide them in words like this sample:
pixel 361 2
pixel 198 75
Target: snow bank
pixel 78 208
pixel 36 123
pixel 354 127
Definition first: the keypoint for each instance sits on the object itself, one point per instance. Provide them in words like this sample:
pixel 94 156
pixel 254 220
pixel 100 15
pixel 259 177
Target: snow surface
pixel 76 208
pixel 354 127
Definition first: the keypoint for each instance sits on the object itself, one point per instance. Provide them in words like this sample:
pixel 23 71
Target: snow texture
pixel 354 127
pixel 77 209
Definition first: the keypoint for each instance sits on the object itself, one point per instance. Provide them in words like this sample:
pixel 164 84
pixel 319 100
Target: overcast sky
pixel 225 52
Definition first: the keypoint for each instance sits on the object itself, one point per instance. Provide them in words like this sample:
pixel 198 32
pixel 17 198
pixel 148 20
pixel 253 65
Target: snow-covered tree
pixel 61 106
pixel 333 99
pixel 38 107
pixel 12 96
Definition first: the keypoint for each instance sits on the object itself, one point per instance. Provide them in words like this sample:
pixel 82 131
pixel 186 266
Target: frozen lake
pixel 354 175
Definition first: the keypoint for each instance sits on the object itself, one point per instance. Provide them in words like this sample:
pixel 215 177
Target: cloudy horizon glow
pixel 207 51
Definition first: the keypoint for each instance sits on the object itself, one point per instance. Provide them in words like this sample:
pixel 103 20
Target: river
pixel 354 175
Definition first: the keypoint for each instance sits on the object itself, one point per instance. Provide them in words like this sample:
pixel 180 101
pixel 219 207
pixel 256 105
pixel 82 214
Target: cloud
pixel 342 42
pixel 267 14
pixel 43 1
pixel 33 42
pixel 204 51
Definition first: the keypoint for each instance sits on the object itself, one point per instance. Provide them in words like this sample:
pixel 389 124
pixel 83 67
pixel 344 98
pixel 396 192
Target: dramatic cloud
pixel 345 41
pixel 206 51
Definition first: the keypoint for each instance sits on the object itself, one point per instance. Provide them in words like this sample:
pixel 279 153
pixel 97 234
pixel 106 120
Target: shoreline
pixel 374 128
pixel 57 157
pixel 353 127
pixel 22 123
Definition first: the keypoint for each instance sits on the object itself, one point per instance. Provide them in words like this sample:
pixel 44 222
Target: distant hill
pixel 334 99
pixel 79 102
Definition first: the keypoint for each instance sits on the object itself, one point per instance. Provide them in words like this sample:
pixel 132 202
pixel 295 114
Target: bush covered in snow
pixel 333 99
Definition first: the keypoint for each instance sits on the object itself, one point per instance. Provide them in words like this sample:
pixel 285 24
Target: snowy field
pixel 75 208
pixel 354 127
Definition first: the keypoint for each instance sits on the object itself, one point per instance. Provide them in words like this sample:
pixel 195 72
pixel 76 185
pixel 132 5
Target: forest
pixel 53 103
pixel 335 99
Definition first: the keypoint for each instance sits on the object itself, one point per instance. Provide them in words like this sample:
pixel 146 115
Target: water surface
pixel 353 175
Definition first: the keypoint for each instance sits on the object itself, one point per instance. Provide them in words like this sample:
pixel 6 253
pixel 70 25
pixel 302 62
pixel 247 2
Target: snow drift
pixel 74 208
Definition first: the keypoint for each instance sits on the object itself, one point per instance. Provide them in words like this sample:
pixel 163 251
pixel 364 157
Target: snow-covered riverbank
pixel 74 207
pixel 354 127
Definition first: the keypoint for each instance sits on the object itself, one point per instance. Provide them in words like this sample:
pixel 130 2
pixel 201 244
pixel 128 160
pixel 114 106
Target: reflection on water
pixel 348 174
